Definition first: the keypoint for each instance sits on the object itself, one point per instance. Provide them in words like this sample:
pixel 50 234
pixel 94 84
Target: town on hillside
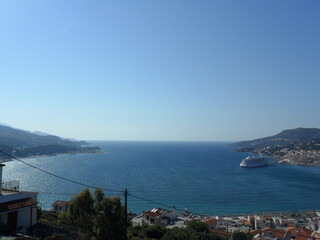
pixel 298 225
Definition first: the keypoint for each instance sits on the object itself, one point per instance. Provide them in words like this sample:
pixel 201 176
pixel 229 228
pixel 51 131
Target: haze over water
pixel 203 177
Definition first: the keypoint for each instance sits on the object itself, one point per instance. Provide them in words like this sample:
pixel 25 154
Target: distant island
pixel 20 143
pixel 300 146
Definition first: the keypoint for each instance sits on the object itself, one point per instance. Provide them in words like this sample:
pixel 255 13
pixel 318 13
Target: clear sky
pixel 160 70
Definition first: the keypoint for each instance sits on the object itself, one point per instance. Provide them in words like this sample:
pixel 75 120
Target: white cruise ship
pixel 253 161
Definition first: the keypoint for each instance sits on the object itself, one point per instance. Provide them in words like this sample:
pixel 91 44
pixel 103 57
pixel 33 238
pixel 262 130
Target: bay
pixel 203 177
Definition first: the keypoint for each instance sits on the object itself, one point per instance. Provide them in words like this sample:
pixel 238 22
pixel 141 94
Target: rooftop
pixel 211 221
pixel 60 203
pixel 156 212
pixel 7 192
pixel 16 204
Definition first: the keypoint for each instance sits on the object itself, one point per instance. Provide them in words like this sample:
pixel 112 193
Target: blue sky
pixel 160 70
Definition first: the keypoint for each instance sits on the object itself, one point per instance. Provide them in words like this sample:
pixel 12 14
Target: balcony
pixel 11 185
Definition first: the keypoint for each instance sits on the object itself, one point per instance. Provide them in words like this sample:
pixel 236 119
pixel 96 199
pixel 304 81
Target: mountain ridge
pixel 288 136
pixel 21 143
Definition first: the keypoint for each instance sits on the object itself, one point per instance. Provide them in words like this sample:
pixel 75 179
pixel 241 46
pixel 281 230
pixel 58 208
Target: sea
pixel 202 177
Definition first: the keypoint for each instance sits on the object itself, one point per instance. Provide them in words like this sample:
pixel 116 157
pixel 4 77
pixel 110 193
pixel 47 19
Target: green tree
pixel 39 212
pixel 154 232
pixel 97 217
pixel 198 226
pixel 188 234
pixel 240 236
pixel 179 234
pixel 109 219
pixel 81 213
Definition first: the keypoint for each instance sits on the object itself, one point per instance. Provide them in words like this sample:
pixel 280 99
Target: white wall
pixel 17 196
pixel 23 220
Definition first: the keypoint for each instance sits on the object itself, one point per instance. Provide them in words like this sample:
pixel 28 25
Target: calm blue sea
pixel 205 178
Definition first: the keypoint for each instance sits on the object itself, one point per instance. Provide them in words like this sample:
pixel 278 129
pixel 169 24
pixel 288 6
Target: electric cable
pixel 57 176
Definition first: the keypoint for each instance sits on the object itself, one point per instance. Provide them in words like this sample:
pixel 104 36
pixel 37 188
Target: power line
pixel 56 193
pixel 151 201
pixel 160 204
pixel 87 185
pixel 129 194
pixel 57 176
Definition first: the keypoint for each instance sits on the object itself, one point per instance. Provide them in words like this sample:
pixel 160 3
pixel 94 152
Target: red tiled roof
pixel 254 232
pixel 290 228
pixel 219 232
pixel 289 224
pixel 299 231
pixel 156 212
pixel 211 222
pixel 274 232
pixel 151 214
pixel 60 203
pixel 16 204
pixel 245 222
pixel 307 231
pixel 303 237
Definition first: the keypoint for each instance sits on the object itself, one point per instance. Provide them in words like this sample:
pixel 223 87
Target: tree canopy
pixel 195 230
pixel 97 217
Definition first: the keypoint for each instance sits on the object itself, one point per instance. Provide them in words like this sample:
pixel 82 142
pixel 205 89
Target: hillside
pixel 300 146
pixel 22 143
pixel 286 137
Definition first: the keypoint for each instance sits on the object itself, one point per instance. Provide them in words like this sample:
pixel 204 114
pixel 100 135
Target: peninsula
pixel 300 146
pixel 20 143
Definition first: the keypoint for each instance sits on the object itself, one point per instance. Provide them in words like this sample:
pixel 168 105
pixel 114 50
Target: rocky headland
pixel 20 143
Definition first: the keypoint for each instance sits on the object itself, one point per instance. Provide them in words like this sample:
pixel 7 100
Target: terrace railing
pixel 10 185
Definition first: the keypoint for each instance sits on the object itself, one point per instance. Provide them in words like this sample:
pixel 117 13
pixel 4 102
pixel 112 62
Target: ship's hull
pixel 253 165
pixel 254 162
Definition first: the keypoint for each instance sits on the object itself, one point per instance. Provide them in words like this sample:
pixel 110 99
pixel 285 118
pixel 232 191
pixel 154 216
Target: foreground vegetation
pixel 195 230
pixel 98 217
pixel 89 216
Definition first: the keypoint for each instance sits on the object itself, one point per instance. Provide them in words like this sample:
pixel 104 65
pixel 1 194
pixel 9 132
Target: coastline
pixel 182 179
pixel 55 154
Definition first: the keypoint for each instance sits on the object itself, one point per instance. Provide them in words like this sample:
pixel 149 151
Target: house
pixel 137 221
pixel 316 234
pixel 270 233
pixel 259 222
pixel 18 209
pixel 156 216
pixel 60 206
pixel 300 233
pixel 213 223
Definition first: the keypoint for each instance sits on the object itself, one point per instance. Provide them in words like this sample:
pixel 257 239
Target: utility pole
pixel 126 211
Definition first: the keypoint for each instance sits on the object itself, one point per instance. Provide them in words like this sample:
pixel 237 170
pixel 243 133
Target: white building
pixel 60 206
pixel 18 210
pixel 156 216
pixel 213 223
